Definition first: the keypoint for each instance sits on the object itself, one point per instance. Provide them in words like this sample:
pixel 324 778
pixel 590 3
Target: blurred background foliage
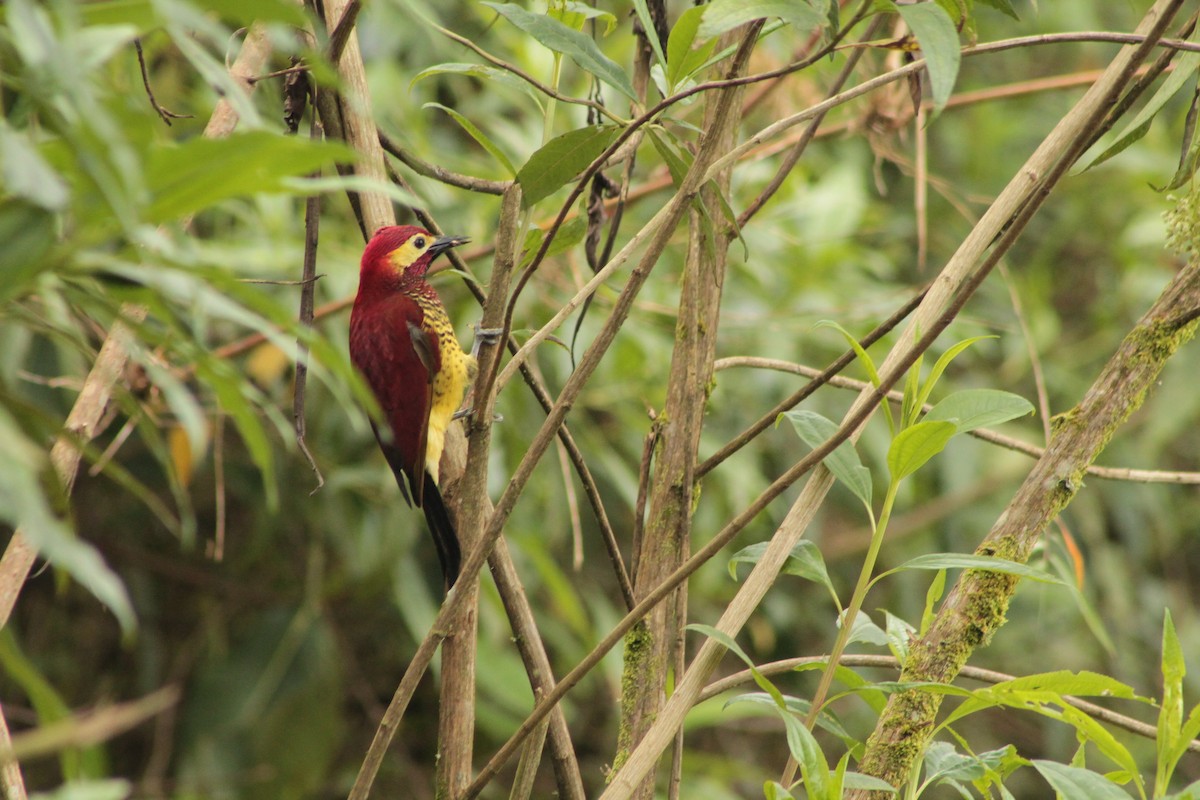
pixel 285 616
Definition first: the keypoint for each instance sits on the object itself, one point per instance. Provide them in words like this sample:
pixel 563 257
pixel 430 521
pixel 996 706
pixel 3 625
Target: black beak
pixel 444 243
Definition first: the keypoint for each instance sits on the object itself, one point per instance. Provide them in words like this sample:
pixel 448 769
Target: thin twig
pixel 725 684
pixel 767 420
pixel 312 223
pixel 983 434
pixel 163 113
pixel 439 173
pixel 341 32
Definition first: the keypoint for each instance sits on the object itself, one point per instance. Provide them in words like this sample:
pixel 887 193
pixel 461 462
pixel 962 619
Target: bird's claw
pixel 469 414
pixel 488 336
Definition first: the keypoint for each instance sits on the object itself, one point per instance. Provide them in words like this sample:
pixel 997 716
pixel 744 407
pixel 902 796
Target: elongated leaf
pixel 24 173
pixel 967 561
pixel 725 15
pixel 843 462
pixel 938 38
pixel 940 365
pixel 570 42
pixel 1170 715
pixel 804 561
pixel 683 58
pixel 186 178
pixel 643 13
pixel 1183 73
pixel 814 769
pixel 914 446
pixel 1003 6
pixel 1075 783
pixel 77 763
pixel 23 504
pixel 561 159
pixel 478 135
pixel 976 408
pixel 27 232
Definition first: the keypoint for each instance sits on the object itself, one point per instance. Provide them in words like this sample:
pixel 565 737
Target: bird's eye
pixel 419 242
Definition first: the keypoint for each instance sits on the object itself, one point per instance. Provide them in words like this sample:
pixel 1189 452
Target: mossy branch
pixel 975 608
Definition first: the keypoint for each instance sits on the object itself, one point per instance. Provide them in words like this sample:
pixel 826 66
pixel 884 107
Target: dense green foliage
pixel 194 553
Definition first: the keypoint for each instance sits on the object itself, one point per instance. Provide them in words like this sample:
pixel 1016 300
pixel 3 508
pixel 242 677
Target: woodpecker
pixel 402 342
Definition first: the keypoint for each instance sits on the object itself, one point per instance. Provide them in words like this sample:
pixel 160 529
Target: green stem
pixel 856 601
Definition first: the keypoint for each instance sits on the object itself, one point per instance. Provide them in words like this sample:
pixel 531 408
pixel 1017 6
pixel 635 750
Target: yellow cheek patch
pixel 407 253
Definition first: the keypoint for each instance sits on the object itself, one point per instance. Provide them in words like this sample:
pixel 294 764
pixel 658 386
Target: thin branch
pixel 767 420
pixel 793 156
pixel 312 222
pixel 438 173
pixel 163 113
pixel 525 76
pixel 341 31
pixel 729 682
pixel 984 434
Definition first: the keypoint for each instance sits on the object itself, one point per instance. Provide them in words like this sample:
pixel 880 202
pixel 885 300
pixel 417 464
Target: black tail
pixel 445 538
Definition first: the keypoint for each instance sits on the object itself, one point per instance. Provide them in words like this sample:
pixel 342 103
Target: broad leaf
pixel 561 159
pixel 725 15
pixel 843 462
pixel 977 408
pixel 938 38
pixel 914 446
pixel 1074 783
pixel 570 42
pixel 967 561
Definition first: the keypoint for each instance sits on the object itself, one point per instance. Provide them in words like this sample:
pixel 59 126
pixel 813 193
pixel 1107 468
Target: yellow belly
pixel 449 388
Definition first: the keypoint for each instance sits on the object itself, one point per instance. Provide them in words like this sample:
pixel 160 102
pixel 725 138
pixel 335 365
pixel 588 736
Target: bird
pixel 403 344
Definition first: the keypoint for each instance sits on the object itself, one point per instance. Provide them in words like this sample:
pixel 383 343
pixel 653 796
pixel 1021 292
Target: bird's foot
pixel 469 414
pixel 488 336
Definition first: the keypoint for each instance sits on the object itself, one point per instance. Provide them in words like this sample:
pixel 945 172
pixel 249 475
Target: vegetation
pixel 716 569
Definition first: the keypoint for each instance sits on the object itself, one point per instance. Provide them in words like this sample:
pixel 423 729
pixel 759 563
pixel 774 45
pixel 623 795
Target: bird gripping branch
pixel 402 341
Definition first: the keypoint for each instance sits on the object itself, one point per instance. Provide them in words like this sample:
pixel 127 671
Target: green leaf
pixel 936 588
pixel 940 365
pixel 814 430
pixel 562 39
pixel 27 232
pixel 1003 6
pixel 479 136
pixel 938 38
pixel 570 233
pixel 868 783
pixel 643 13
pixel 1170 715
pixel 109 789
pixel 772 790
pixel 187 178
pixel 24 505
pixel 1181 75
pixel 24 173
pixel 977 408
pixel 77 763
pixel 867 362
pixel 683 58
pixel 914 446
pixel 966 561
pixel 725 15
pixel 1074 783
pixel 561 159
pixel 804 561
pixel 814 769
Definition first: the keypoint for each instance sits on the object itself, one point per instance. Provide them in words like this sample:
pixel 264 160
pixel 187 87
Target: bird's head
pixel 404 251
